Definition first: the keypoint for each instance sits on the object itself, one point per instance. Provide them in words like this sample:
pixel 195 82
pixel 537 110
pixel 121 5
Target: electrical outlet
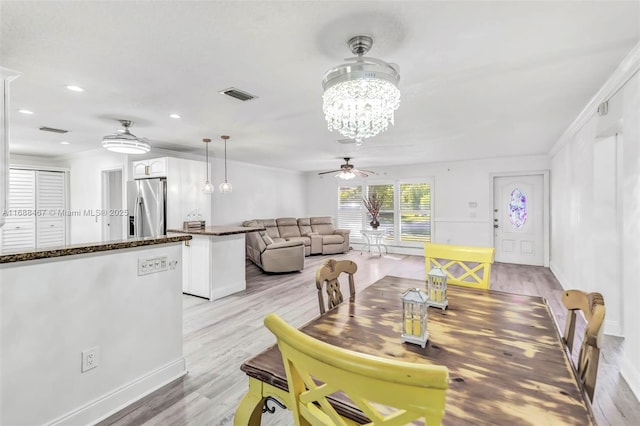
pixel 89 359
pixel 149 266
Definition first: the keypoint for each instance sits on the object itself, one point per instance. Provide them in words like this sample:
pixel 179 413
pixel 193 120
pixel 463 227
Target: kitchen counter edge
pixel 218 231
pixel 90 248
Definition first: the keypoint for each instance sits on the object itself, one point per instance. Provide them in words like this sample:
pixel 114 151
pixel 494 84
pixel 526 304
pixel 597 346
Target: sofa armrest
pixel 282 244
pixel 343 232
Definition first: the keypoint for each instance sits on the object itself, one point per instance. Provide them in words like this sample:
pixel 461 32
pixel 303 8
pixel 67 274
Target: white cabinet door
pixel 199 252
pixel 19 231
pixel 50 202
pixel 186 267
pixel 156 167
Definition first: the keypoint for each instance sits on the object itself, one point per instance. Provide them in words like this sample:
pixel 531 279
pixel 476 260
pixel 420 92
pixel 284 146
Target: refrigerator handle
pixel 138 217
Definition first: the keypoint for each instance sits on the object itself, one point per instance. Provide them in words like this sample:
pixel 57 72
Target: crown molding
pixel 629 66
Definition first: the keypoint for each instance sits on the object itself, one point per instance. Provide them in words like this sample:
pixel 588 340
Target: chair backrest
pixel 315 370
pixel 466 266
pixel 327 276
pixel 592 306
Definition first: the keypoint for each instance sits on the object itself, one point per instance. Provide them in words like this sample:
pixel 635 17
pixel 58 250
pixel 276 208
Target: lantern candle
pixel 414 317
pixel 437 288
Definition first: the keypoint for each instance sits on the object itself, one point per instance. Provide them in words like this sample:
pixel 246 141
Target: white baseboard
pixel 631 375
pixel 114 401
pixel 220 292
pixel 564 282
pixel 416 251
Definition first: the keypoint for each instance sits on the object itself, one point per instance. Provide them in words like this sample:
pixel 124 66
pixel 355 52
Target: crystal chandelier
pixel 360 98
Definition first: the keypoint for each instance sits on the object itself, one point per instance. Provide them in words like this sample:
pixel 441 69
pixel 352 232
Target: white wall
pixel 85 191
pixel 455 185
pixel 53 309
pixel 42 163
pixel 595 232
pixel 631 232
pixel 258 193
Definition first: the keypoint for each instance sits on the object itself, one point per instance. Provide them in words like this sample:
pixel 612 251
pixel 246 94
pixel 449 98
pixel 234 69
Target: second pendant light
pixel 225 187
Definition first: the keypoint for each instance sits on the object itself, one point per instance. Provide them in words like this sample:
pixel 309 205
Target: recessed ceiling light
pixel 65 143
pixel 25 111
pixel 74 88
pixel 174 115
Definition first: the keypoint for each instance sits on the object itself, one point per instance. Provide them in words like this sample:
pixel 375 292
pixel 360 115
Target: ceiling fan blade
pixel 364 171
pixel 332 171
pixel 360 172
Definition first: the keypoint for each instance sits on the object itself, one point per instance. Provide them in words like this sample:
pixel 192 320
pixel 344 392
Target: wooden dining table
pixel 507 364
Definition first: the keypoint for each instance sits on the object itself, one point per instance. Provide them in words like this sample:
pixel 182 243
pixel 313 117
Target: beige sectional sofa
pixel 287 240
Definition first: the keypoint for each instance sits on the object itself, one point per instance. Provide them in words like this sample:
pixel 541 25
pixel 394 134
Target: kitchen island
pixel 87 329
pixel 214 260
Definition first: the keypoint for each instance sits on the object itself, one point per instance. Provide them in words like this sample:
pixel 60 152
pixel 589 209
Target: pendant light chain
pixel 225 159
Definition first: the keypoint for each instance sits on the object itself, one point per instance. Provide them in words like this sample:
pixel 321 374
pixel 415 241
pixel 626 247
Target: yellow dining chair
pixel 592 306
pixel 327 277
pixel 387 391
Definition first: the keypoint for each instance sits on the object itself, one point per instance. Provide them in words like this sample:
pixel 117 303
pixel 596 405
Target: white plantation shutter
pixel 350 210
pixel 19 231
pixel 50 204
pixel 34 216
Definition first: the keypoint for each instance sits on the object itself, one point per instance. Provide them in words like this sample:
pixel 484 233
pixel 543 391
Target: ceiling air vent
pixel 238 94
pixel 51 129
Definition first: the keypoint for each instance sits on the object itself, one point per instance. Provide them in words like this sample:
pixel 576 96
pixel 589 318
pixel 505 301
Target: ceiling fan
pixel 348 171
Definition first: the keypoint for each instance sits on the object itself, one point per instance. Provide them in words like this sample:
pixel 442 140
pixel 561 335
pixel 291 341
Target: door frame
pixel 104 188
pixel 546 228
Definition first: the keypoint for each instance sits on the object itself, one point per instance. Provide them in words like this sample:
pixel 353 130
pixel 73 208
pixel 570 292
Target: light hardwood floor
pixel 220 335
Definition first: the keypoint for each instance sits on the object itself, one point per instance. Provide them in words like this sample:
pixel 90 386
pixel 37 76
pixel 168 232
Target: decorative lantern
pixel 414 317
pixel 437 288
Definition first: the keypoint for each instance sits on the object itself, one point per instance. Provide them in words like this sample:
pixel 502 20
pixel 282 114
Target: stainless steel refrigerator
pixel 147 207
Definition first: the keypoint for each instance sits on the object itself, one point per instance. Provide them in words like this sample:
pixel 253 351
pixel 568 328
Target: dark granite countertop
pixel 69 250
pixel 218 230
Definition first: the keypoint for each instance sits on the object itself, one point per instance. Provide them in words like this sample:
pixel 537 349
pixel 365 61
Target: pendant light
pixel 225 187
pixel 208 188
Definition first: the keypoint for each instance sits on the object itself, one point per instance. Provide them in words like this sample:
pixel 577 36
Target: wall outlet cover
pixel 89 359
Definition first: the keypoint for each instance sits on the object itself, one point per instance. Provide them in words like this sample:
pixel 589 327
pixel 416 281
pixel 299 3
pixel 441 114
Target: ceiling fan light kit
pixel 124 142
pixel 348 171
pixel 360 97
pixel 225 187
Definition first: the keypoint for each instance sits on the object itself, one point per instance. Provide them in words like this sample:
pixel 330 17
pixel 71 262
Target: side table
pixel 373 238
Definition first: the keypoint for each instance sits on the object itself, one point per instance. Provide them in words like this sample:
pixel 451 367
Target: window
pixel 405 215
pixel 350 210
pixel 415 212
pixel 386 216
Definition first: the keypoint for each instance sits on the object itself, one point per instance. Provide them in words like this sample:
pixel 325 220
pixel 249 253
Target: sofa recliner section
pixel 284 243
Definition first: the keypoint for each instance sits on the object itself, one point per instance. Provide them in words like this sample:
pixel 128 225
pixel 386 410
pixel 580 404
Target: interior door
pixel 518 219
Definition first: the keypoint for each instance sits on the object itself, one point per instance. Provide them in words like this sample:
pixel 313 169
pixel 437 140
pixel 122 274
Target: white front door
pixel 518 219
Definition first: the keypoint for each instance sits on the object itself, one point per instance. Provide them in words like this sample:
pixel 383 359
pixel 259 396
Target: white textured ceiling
pixel 478 79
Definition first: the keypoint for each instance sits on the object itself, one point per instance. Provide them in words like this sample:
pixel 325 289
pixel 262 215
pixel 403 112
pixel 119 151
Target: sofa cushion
pixel 332 239
pixel 305 240
pixel 271 227
pixel 323 225
pixel 251 223
pixel 305 226
pixel 266 238
pixel 288 227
